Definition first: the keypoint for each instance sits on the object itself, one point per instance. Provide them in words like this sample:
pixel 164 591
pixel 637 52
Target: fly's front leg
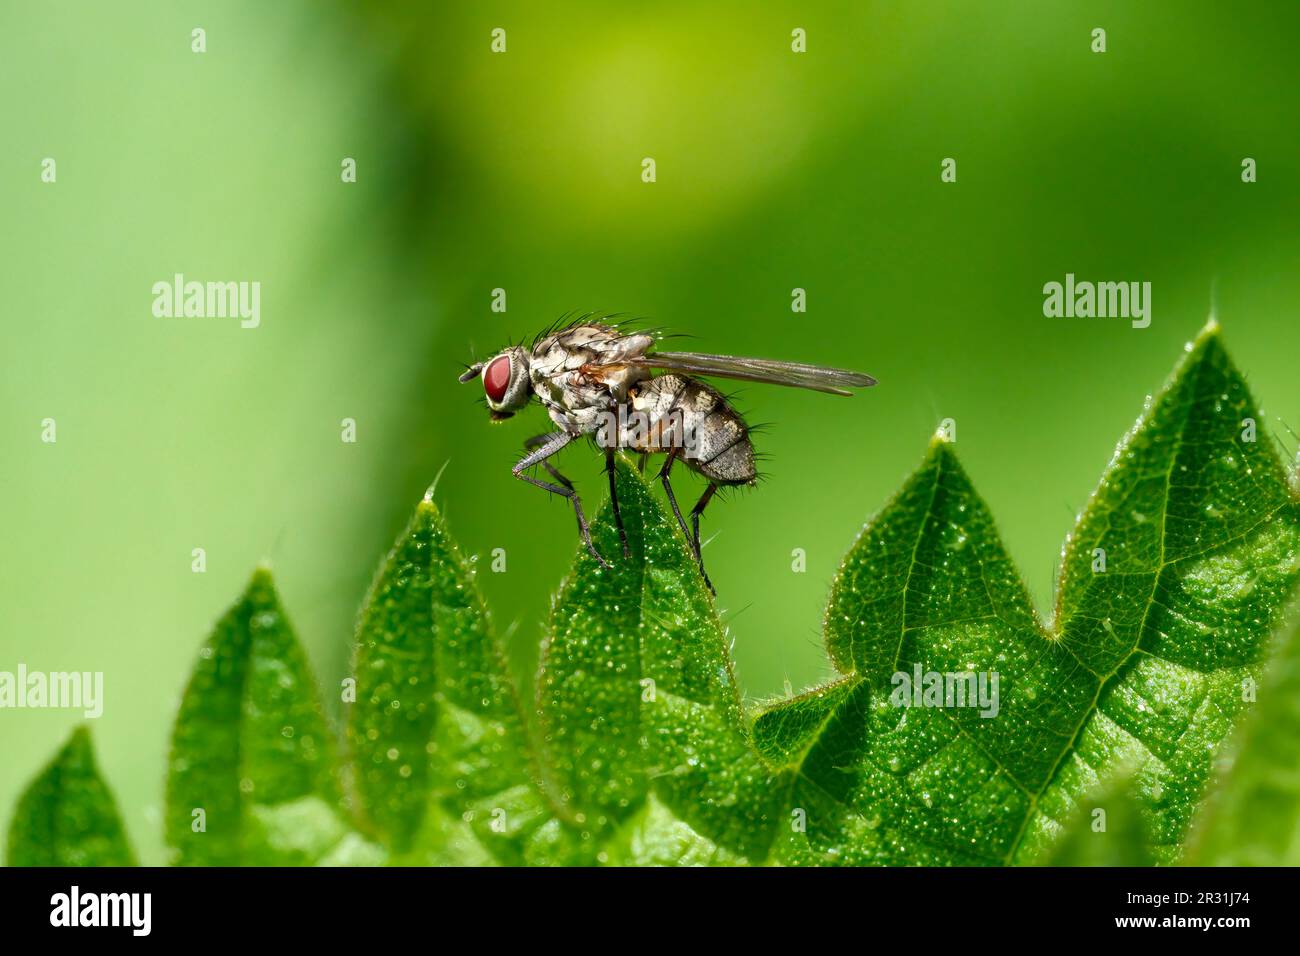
pixel 537 441
pixel 548 446
pixel 613 497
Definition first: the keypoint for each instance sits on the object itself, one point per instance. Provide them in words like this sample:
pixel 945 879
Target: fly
pixel 596 381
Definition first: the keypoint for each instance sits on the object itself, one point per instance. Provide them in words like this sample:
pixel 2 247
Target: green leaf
pixel 1107 829
pixel 1144 665
pixel 656 836
pixel 67 816
pixel 440 750
pixel 1250 818
pixel 310 832
pixel 249 739
pixel 637 697
pixel 1171 582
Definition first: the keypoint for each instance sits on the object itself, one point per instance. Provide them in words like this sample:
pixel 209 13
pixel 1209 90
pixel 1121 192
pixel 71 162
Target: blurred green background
pixel 522 171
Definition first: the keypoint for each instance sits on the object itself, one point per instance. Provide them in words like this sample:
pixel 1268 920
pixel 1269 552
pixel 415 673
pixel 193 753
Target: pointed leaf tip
pixel 249 737
pixel 433 488
pixel 1208 342
pixel 67 816
pixel 433 698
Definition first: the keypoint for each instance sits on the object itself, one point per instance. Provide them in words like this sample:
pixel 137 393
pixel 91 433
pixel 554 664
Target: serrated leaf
pixel 1143 667
pixel 637 696
pixel 67 816
pixel 249 738
pixel 1250 819
pixel 440 751
pixel 1211 578
pixel 928 583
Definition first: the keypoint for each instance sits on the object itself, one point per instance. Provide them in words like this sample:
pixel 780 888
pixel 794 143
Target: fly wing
pixel 833 381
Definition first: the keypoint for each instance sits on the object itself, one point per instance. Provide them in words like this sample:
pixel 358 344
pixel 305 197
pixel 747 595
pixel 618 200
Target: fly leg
pixel 668 490
pixel 695 525
pixel 537 441
pixel 548 445
pixel 613 498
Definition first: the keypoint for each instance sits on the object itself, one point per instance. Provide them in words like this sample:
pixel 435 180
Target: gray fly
pixel 596 381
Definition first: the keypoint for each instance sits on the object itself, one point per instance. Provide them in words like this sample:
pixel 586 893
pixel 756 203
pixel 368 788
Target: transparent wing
pixel 833 381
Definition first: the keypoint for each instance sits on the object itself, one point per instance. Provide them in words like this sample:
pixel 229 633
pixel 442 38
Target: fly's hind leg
pixel 613 498
pixel 668 490
pixel 695 528
pixel 692 538
pixel 544 447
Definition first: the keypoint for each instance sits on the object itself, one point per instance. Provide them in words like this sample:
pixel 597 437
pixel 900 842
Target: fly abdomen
pixel 676 413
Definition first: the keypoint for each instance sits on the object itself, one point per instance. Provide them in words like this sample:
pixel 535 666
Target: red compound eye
pixel 497 378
